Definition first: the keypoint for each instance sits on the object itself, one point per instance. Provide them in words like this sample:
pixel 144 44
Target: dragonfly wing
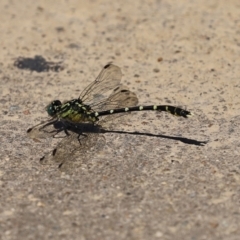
pixel 69 149
pixel 63 151
pixel 46 129
pixel 108 79
pixel 120 97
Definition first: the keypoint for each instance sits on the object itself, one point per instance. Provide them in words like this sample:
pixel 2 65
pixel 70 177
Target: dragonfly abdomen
pixel 166 108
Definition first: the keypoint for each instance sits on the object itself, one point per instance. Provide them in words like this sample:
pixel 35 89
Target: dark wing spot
pixel 54 152
pixel 108 65
pixel 29 130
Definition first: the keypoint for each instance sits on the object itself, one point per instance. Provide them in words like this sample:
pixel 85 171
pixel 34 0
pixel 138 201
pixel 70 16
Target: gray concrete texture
pixel 167 185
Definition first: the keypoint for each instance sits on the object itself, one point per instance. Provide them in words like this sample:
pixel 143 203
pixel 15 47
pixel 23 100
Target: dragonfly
pixel 82 119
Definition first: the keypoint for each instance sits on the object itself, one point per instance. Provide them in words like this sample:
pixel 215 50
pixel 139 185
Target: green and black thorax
pixel 74 111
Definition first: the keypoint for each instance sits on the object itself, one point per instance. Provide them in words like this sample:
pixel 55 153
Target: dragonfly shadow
pixel 181 139
pixel 91 128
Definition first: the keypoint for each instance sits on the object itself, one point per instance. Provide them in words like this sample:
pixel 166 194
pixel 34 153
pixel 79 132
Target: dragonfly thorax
pixel 72 111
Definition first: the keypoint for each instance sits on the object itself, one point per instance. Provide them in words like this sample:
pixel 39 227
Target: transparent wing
pixel 120 97
pixel 48 128
pixel 71 151
pixel 63 151
pixel 108 79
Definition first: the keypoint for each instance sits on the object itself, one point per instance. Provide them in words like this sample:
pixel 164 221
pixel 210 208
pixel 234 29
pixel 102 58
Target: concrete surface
pixel 167 186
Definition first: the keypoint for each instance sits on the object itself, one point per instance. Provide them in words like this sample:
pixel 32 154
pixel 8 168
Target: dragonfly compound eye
pixel 52 108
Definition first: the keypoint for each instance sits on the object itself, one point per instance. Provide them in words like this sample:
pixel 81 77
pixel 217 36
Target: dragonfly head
pixel 52 108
